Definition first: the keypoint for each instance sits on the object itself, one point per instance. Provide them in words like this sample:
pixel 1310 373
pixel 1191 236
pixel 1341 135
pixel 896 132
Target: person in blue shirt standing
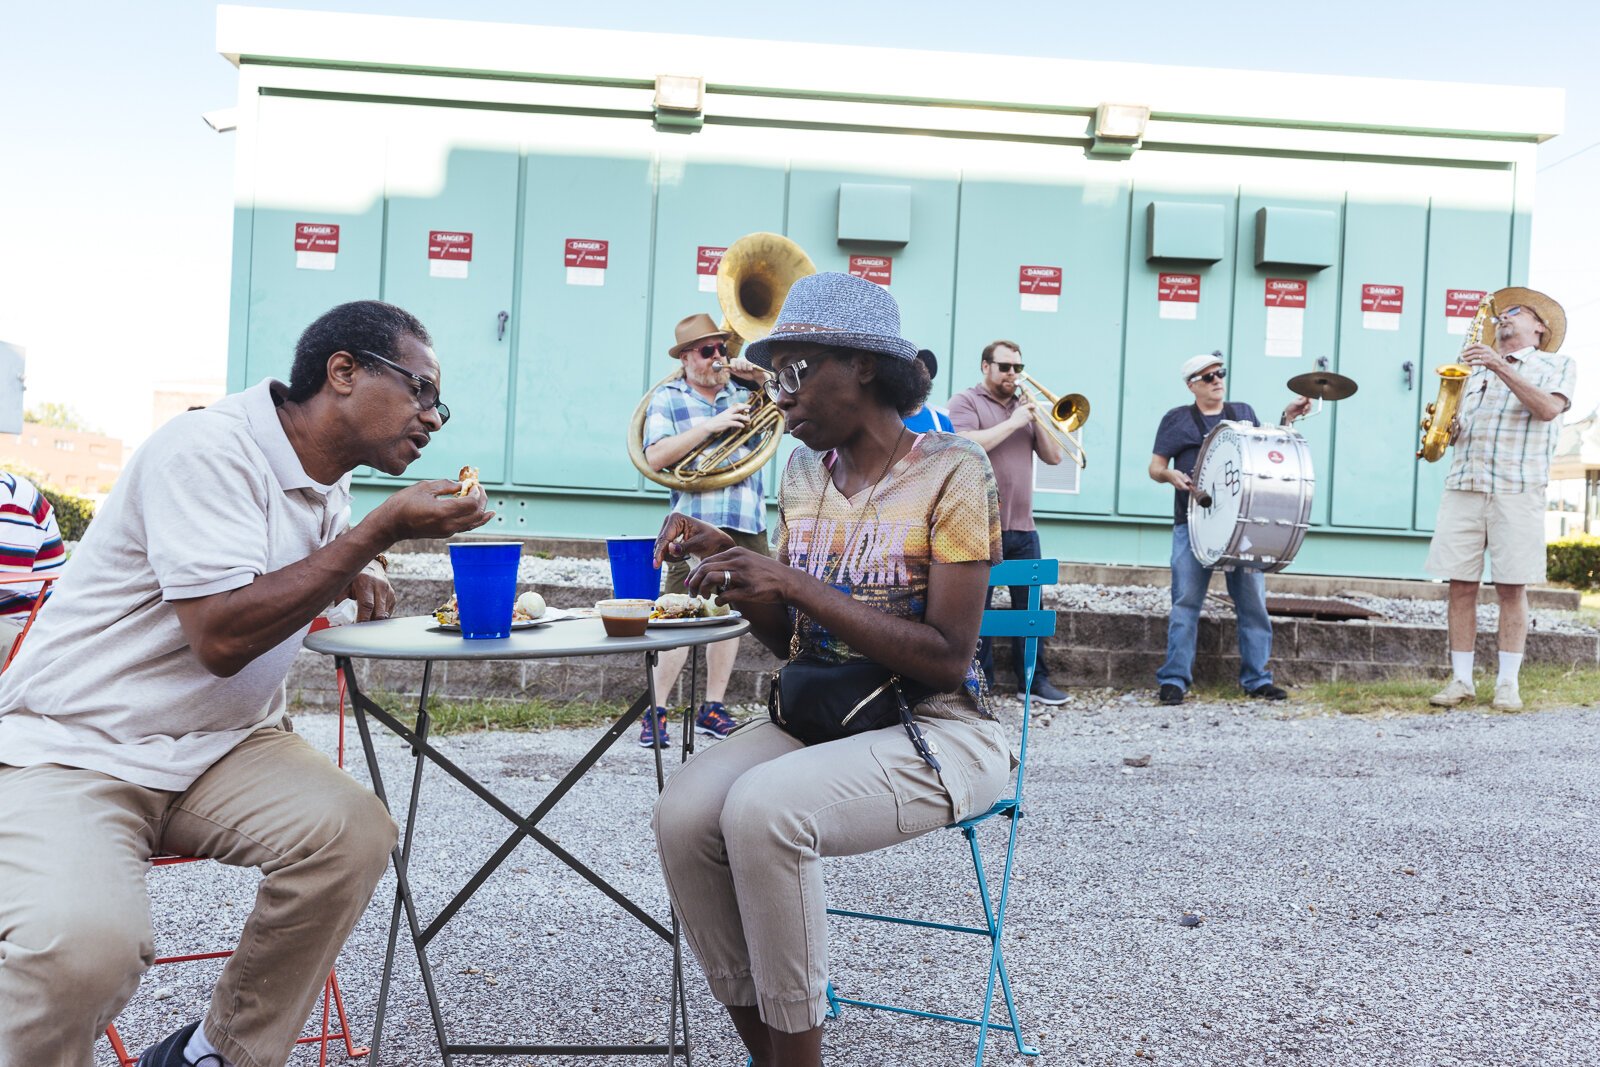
pixel 1178 440
pixel 927 417
pixel 685 413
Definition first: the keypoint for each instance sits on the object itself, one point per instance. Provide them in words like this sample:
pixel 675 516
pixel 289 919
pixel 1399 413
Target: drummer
pixel 1178 441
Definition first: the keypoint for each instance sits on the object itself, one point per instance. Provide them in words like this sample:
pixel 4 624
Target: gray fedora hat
pixel 837 310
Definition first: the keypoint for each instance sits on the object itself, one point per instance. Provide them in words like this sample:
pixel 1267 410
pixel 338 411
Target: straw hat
pixel 692 330
pixel 840 310
pixel 1548 310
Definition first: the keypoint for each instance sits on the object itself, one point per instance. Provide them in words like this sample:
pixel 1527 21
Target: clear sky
pixel 115 196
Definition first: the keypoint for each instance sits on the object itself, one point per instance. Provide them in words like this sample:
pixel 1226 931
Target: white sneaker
pixel 1506 697
pixel 1454 695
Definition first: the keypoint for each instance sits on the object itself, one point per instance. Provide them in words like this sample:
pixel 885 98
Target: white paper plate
pixel 550 615
pixel 714 620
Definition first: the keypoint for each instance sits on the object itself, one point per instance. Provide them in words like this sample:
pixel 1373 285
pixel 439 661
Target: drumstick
pixel 1202 498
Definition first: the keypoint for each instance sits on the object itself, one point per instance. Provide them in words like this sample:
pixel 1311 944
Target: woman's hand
pixel 742 574
pixel 682 536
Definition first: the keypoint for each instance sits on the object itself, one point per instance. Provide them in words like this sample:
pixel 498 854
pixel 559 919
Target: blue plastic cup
pixel 634 575
pixel 486 586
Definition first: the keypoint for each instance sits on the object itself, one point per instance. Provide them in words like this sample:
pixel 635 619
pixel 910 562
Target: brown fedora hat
pixel 1548 310
pixel 692 330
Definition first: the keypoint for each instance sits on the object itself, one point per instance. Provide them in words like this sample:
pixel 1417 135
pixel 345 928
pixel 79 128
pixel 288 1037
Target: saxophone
pixel 1452 381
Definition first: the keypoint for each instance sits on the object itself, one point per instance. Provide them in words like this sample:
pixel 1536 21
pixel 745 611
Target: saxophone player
pixel 1494 495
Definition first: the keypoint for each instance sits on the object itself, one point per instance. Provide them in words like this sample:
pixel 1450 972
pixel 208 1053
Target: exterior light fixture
pixel 1118 130
pixel 222 120
pixel 680 101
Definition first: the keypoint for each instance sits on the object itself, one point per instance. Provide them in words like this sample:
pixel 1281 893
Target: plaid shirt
pixel 674 408
pixel 1502 448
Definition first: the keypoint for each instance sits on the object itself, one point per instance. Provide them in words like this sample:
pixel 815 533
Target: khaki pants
pixel 75 930
pixel 743 826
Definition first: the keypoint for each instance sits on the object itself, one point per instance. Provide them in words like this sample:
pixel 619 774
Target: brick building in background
pixel 84 464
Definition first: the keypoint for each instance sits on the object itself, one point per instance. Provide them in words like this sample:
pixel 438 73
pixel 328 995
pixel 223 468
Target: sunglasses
pixel 712 351
pixel 426 392
pixel 1007 368
pixel 1210 376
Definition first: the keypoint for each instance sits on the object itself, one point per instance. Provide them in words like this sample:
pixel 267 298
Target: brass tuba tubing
pixel 752 281
pixel 1060 416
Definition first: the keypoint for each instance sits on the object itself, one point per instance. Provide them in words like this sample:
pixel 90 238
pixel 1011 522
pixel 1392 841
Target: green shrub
pixel 1575 561
pixel 72 512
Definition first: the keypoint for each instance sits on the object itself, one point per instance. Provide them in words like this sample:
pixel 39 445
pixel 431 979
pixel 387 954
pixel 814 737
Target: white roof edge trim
pixel 780 67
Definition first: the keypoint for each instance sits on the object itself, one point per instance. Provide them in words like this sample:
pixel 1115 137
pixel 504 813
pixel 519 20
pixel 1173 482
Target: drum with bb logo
pixel 1252 501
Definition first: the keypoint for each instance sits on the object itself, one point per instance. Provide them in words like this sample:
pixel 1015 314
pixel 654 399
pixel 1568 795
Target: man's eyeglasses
pixel 1210 376
pixel 427 393
pixel 712 351
pixel 787 381
pixel 1510 312
pixel 1007 368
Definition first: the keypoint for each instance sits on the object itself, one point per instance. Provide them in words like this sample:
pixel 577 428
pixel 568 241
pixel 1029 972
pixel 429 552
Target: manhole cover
pixel 1318 607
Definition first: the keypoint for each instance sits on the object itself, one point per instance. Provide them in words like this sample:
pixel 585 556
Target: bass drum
pixel 1258 481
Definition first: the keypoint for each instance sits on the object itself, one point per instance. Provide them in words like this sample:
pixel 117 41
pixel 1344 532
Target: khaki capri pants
pixel 743 826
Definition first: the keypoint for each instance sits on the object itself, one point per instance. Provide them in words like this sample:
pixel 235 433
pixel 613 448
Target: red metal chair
pixel 332 998
pixel 44 581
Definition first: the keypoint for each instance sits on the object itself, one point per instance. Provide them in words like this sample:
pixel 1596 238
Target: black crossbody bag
pixel 816 700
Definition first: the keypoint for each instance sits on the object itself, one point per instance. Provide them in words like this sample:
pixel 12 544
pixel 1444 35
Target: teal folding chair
pixel 1032 624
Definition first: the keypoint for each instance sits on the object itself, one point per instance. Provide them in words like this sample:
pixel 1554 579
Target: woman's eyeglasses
pixel 426 392
pixel 787 381
pixel 1210 376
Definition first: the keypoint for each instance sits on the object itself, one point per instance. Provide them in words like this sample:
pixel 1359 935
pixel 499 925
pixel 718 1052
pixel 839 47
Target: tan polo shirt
pixel 1012 459
pixel 107 680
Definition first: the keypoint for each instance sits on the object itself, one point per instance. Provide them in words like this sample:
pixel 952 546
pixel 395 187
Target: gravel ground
pixel 1370 891
pixel 1116 599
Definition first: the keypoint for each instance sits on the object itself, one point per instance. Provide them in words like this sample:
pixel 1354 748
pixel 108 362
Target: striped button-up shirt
pixel 29 542
pixel 1502 447
pixel 676 407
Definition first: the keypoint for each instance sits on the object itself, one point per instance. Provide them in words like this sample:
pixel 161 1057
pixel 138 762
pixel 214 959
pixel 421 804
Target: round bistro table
pixel 420 639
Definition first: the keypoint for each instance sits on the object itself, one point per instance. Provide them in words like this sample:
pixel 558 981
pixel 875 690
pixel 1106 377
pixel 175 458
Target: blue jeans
pixel 1014 544
pixel 1247 587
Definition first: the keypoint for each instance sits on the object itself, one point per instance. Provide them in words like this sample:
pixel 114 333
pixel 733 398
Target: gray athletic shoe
pixel 1454 695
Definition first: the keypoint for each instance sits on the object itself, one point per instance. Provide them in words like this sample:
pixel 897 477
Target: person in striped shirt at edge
pixel 30 543
pixel 1507 425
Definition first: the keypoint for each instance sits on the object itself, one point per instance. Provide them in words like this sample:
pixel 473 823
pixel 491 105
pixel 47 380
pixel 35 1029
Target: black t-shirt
pixel 1179 439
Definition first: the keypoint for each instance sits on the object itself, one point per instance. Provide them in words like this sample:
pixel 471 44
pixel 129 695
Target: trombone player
pixel 684 413
pixel 1000 416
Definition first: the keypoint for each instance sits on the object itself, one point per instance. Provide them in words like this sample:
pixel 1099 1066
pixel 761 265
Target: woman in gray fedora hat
pixel 885 541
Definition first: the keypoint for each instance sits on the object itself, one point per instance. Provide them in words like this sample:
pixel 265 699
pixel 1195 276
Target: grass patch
pixel 467 716
pixel 1543 685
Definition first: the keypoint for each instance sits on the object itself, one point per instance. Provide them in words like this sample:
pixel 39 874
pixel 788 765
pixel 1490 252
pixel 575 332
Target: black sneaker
pixel 168 1052
pixel 1170 694
pixel 1045 693
pixel 1269 692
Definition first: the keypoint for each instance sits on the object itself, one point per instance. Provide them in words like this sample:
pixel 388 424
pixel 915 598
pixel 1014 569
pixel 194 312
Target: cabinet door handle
pixel 500 331
pixel 1322 362
pixel 1410 370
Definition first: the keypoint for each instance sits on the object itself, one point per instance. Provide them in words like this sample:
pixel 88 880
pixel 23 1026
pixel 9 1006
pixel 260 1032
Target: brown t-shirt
pixel 1012 459
pixel 937 505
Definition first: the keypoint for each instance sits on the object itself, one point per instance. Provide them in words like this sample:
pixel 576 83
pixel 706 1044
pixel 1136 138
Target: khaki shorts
pixel 1509 525
pixel 677 571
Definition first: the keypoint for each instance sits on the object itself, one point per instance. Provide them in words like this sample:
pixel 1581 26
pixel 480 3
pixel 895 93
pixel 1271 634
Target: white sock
pixel 200 1046
pixel 1461 666
pixel 1510 664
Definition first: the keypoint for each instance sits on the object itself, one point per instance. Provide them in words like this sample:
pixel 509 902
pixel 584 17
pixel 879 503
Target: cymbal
pixel 1323 385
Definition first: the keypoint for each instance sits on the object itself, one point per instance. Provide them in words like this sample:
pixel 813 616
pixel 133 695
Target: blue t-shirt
pixel 929 419
pixel 1179 439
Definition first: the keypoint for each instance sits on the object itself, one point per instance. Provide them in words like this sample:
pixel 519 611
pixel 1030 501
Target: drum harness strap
pixel 1229 413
